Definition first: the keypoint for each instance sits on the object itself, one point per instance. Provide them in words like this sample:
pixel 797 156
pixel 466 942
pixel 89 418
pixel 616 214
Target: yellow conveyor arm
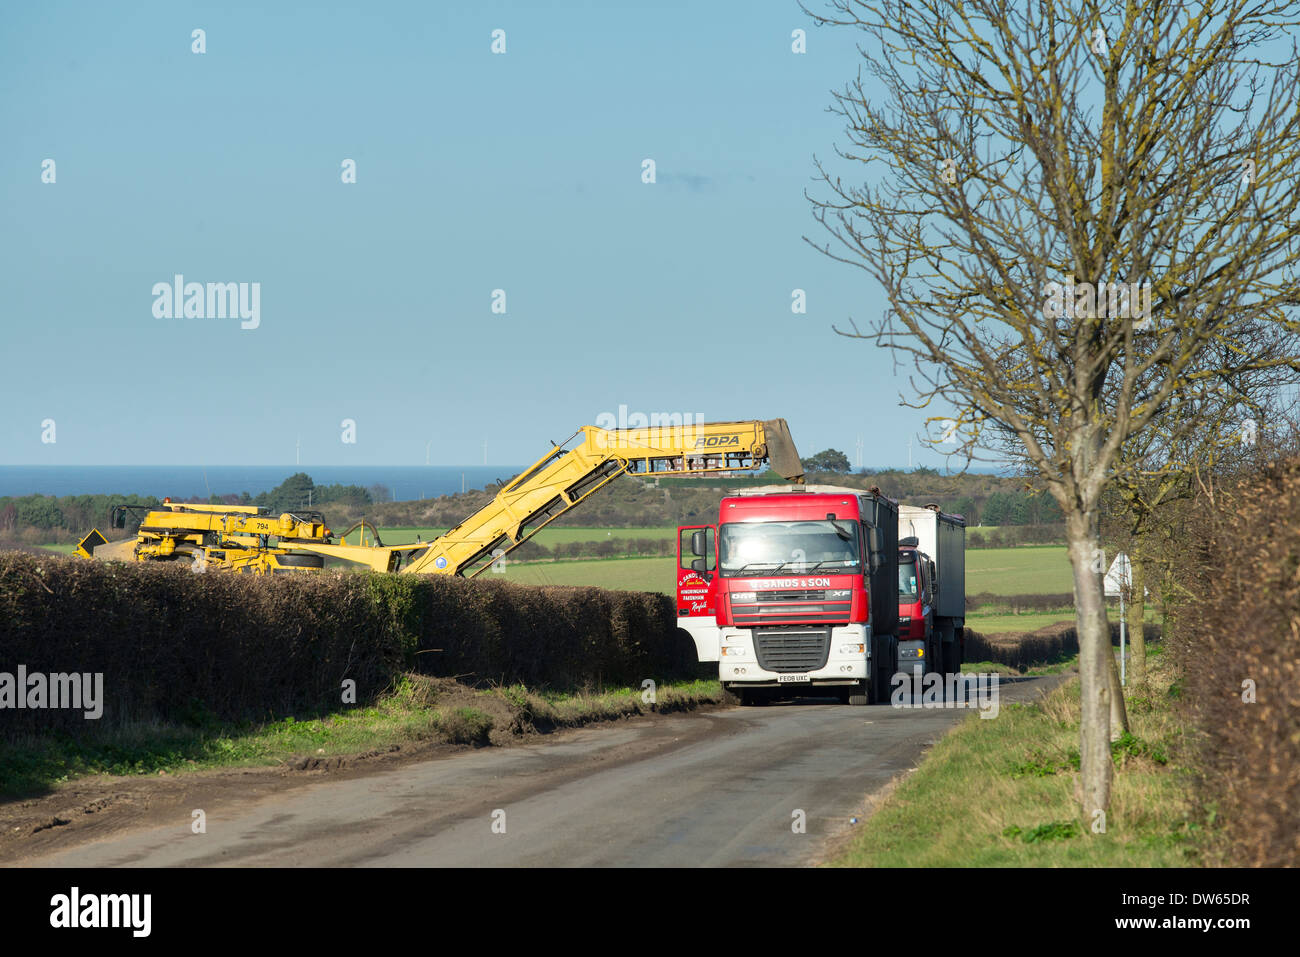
pixel 564 477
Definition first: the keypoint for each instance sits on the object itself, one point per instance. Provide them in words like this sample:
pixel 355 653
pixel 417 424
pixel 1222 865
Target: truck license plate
pixel 792 679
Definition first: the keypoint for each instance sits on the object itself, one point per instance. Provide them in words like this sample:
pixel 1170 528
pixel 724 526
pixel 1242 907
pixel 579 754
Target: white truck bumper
pixel 846 663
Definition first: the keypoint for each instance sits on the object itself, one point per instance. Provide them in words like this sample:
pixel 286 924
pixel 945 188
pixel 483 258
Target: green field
pixel 1000 571
pixel 1029 621
pixel 548 536
pixel 1037 569
pixel 1023 570
pixel 630 574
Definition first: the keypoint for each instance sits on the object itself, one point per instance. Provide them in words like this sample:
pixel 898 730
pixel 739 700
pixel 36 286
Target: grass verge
pixel 1000 793
pixel 1059 665
pixel 420 709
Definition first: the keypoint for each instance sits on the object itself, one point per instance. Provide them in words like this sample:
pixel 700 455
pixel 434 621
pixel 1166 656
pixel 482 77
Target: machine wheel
pixel 952 656
pixel 186 557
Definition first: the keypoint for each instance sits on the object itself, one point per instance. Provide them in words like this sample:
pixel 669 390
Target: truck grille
pixel 781 607
pixel 792 649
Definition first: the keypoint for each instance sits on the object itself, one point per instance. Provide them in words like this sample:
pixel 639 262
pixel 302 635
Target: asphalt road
pixel 719 788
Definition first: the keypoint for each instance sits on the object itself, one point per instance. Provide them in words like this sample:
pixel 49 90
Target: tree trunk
pixel 1137 671
pixel 1094 671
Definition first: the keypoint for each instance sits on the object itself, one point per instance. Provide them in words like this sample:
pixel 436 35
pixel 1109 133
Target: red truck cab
pixel 918 646
pixel 794 593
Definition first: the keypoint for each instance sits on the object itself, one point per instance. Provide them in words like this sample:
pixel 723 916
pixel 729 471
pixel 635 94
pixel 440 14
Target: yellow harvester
pixel 246 538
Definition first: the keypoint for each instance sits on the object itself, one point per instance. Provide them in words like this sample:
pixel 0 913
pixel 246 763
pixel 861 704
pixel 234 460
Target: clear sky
pixel 475 171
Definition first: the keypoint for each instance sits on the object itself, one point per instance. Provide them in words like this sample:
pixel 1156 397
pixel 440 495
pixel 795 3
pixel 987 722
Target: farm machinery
pixel 246 538
pixel 241 538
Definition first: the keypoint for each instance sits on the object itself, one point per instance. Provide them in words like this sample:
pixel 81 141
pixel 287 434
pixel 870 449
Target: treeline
pixel 627 502
pixel 47 519
pixel 980 499
pixel 299 492
pixel 635 502
pixel 1015 535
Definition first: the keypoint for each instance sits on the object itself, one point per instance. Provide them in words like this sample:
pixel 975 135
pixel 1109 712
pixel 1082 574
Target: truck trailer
pixel 931 589
pixel 794 592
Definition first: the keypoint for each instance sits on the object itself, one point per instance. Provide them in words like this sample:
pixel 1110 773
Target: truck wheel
pixel 860 694
pixel 952 657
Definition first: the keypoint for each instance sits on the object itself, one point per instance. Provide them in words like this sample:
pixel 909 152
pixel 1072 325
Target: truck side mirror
pixel 699 545
pixel 700 565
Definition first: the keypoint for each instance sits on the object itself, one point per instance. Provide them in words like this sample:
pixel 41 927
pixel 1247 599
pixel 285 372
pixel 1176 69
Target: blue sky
pixel 475 172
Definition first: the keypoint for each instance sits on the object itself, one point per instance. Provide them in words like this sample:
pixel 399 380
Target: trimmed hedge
pixel 1018 604
pixel 174 645
pixel 1235 636
pixel 1025 650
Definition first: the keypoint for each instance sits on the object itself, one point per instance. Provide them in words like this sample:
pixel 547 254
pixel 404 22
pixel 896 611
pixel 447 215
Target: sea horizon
pixel 403 482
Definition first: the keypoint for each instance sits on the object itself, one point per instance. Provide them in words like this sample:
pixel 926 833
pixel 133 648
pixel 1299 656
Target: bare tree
pixel 1069 210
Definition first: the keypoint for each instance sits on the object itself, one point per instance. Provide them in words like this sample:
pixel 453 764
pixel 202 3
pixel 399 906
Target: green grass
pixel 61 549
pixel 1005 787
pixel 1029 621
pixel 1023 570
pixel 419 709
pixel 1059 666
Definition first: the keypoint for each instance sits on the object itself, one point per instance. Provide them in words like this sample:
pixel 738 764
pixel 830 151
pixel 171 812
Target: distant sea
pixel 403 482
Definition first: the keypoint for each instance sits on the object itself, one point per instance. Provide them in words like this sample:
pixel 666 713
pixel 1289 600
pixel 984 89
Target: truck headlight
pixel 733 650
pixel 853 649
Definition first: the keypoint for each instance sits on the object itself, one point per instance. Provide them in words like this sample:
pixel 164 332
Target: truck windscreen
pixel 752 548
pixel 907 583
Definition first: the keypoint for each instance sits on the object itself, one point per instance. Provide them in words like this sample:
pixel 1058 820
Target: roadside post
pixel 1118 579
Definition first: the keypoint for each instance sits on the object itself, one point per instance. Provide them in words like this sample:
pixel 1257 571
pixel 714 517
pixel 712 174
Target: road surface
pixel 718 788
